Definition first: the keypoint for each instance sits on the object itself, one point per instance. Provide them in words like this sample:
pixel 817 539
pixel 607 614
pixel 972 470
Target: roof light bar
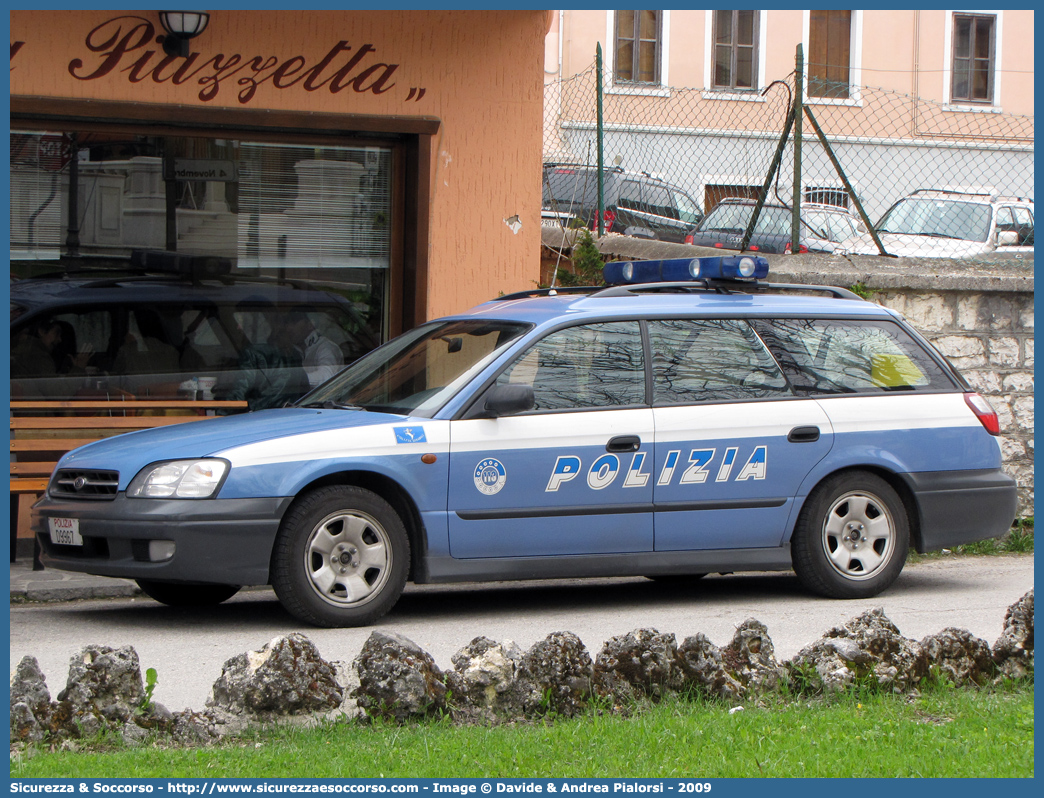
pixel 674 270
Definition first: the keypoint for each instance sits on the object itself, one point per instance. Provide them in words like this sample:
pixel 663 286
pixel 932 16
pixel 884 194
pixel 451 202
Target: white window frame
pixel 947 66
pixel 647 90
pixel 855 63
pixel 754 95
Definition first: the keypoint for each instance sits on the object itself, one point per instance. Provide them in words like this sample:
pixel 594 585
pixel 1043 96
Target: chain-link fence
pixel 932 179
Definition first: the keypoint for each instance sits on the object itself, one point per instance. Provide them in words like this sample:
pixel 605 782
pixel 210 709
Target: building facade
pixel 706 91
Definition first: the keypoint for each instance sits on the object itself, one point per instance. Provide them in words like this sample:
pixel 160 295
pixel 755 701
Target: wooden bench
pixel 42 431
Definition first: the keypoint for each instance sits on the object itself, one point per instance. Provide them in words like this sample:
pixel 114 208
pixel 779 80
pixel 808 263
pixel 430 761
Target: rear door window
pixel 703 360
pixel 658 202
pixel 631 196
pixel 831 356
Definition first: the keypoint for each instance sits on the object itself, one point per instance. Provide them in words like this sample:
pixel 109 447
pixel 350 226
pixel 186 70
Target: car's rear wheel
pixel 187 594
pixel 341 557
pixel 852 537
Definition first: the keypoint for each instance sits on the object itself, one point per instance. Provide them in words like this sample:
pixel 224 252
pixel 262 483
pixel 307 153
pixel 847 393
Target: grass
pixel 943 732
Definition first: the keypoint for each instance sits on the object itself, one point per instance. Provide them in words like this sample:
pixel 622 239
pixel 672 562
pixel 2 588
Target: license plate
pixel 65 531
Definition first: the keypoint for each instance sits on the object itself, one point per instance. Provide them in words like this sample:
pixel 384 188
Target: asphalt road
pixel 189 647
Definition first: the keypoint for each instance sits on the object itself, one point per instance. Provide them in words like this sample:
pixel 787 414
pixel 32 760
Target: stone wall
pixel 395 680
pixel 978 313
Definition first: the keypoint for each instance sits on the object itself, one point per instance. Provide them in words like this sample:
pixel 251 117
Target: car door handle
pixel 803 435
pixel 624 443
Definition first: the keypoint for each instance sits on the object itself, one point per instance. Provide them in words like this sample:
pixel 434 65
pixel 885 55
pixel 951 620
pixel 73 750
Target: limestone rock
pixel 637 664
pixel 554 677
pixel 28 686
pixel 484 673
pixel 1013 651
pixel 751 658
pixel 960 656
pixel 397 679
pixel 868 647
pixel 105 685
pixel 286 677
pixel 700 665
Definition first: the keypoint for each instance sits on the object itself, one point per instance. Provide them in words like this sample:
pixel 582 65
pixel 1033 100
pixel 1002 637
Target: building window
pixel 826 196
pixel 638 45
pixel 829 54
pixel 735 50
pixel 974 54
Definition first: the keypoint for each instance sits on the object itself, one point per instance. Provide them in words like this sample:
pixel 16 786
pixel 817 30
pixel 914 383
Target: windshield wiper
pixel 328 405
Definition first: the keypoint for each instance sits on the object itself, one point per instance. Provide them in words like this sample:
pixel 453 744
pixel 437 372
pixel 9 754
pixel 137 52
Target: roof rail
pixel 985 191
pixel 723 287
pixel 535 292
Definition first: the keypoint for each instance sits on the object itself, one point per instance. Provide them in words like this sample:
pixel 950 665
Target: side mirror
pixel 507 400
pixel 1007 238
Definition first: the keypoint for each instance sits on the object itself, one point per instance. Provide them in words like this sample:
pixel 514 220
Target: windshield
pixel 734 218
pixel 969 221
pixel 418 372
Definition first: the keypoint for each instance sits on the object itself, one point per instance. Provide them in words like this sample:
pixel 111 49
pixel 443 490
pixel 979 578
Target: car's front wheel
pixel 341 557
pixel 852 536
pixel 186 594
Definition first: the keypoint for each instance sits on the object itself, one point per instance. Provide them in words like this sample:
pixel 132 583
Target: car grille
pixel 71 483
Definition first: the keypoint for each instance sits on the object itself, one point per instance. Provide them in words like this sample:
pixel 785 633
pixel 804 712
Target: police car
pixel 689 419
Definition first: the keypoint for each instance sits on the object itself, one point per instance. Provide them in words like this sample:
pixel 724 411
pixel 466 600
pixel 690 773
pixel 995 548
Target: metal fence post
pixel 599 134
pixel 795 218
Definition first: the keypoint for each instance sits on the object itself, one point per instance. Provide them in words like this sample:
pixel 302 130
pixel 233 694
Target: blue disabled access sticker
pixel 410 435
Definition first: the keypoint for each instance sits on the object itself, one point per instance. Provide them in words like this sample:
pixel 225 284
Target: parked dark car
pixel 111 335
pixel 636 203
pixel 825 228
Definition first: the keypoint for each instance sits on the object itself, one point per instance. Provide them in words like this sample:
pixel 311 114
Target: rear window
pixel 565 187
pixel 832 356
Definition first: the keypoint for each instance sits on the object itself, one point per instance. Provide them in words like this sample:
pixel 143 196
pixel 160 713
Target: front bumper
pixel 956 507
pixel 223 541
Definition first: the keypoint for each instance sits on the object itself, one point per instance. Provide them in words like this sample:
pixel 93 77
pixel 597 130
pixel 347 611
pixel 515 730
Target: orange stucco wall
pixel 478 72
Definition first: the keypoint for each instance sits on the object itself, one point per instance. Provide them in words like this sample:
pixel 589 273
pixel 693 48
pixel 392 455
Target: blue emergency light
pixel 678 270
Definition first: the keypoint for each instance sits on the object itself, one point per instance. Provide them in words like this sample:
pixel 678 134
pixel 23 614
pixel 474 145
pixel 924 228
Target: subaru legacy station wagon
pixel 689 419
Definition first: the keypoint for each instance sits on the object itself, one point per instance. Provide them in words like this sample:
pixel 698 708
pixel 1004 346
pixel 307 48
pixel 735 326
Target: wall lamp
pixel 180 27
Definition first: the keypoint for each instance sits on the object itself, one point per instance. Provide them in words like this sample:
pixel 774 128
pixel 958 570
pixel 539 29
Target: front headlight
pixel 179 479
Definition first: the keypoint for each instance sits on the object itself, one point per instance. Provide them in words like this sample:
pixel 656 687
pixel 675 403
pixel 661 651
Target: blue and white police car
pixel 689 419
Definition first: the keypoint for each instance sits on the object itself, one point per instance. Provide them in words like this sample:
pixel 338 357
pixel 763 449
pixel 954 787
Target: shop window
pixel 95 204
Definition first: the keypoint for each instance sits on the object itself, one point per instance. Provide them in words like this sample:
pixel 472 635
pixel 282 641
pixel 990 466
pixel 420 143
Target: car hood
pixel 130 452
pixel 913 246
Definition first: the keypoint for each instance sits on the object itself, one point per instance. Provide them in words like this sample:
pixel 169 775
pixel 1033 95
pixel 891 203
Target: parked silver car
pixel 941 223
